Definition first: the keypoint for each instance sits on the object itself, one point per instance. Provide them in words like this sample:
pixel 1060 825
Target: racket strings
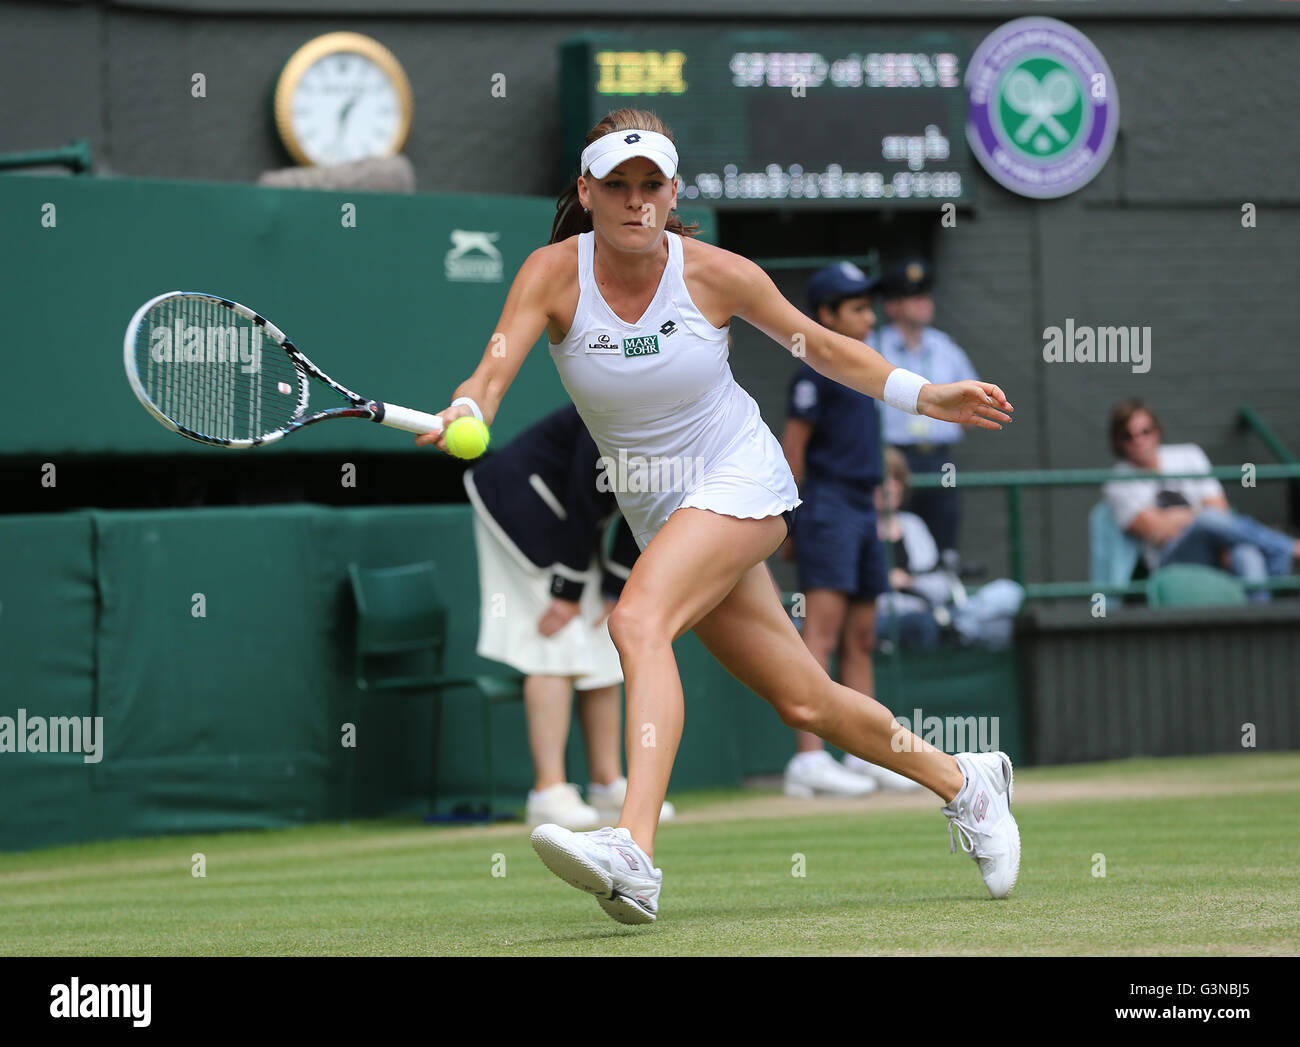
pixel 213 371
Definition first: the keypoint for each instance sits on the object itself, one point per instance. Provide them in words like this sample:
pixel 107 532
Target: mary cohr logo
pixel 646 345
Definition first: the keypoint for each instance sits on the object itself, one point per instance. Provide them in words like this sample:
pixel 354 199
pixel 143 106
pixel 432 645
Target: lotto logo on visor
pixel 605 154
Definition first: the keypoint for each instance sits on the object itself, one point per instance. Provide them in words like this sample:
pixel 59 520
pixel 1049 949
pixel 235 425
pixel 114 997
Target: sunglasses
pixel 1128 435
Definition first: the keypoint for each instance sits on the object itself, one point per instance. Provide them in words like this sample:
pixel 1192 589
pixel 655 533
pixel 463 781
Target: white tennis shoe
pixel 981 816
pixel 817 773
pixel 607 863
pixel 608 801
pixel 562 805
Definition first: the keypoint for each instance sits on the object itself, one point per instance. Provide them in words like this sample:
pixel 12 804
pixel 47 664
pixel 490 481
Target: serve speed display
pixel 807 119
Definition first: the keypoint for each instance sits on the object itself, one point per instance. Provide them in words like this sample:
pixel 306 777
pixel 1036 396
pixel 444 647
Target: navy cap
pixel 913 276
pixel 837 282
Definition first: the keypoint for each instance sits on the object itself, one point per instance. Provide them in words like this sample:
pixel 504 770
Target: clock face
pixel 345 107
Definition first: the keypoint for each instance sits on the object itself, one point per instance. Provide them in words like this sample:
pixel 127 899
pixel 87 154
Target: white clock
pixel 342 97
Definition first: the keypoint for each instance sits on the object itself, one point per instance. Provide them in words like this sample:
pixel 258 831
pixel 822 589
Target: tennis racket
pixel 217 372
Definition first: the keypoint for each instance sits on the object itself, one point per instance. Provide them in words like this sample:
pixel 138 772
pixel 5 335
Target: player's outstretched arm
pixel 758 301
pixel 851 363
pixel 523 319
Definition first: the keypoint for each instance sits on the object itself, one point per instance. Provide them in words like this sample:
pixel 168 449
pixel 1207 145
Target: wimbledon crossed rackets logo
pixel 1043 108
pixel 1040 105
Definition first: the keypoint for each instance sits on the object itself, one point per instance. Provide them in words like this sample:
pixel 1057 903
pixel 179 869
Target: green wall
pixel 371 305
pixel 233 717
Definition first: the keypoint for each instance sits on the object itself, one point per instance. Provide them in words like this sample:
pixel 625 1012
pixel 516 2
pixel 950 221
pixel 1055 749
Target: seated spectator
pixel 928 598
pixel 918 582
pixel 1185 521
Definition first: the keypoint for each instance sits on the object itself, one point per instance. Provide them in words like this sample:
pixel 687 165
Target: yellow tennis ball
pixel 467 437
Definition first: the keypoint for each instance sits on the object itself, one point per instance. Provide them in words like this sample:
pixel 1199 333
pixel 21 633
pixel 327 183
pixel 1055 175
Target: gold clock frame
pixel 312 52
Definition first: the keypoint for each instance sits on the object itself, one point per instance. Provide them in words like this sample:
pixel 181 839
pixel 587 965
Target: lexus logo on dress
pixel 603 344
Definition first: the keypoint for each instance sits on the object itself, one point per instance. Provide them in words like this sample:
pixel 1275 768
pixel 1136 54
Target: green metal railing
pixel 1248 419
pixel 1015 481
pixel 75 156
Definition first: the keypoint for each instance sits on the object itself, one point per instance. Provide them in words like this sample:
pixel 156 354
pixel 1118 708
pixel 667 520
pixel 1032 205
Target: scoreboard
pixel 763 119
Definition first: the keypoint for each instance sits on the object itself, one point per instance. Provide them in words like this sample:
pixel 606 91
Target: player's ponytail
pixel 570 219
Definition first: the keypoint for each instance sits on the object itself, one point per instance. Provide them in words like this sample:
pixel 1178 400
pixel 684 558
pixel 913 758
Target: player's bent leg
pixel 600 710
pixel 686 569
pixel 690 565
pixel 751 635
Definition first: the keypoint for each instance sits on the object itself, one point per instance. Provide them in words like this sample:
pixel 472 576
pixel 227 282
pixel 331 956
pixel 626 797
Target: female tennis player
pixel 637 314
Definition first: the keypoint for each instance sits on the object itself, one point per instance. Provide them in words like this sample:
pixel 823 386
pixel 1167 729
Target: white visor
pixel 605 154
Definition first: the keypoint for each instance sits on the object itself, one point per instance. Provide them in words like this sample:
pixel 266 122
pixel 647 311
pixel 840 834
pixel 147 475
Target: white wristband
pixel 474 408
pixel 902 388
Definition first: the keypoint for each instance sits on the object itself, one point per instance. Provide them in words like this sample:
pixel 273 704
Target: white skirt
pixel 751 480
pixel 512 599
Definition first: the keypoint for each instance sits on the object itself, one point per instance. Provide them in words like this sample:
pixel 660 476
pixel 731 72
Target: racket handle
pixel 406 419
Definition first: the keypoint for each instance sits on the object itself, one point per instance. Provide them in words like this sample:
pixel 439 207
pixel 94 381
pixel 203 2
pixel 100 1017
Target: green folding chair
pixel 1192 585
pixel 401 638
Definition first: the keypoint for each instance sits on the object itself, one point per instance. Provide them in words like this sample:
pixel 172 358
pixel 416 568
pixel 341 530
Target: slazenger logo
pixel 646 345
pixel 473 257
pixel 603 344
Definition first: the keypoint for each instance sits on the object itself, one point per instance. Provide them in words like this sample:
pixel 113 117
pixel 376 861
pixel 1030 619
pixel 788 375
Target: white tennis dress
pixel 658 397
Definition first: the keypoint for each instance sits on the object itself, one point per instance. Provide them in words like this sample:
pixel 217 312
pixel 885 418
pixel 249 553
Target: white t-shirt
pixel 1129 498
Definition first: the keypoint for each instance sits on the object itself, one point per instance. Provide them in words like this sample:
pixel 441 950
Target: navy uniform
pixel 540 518
pixel 836 544
pixel 927 443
